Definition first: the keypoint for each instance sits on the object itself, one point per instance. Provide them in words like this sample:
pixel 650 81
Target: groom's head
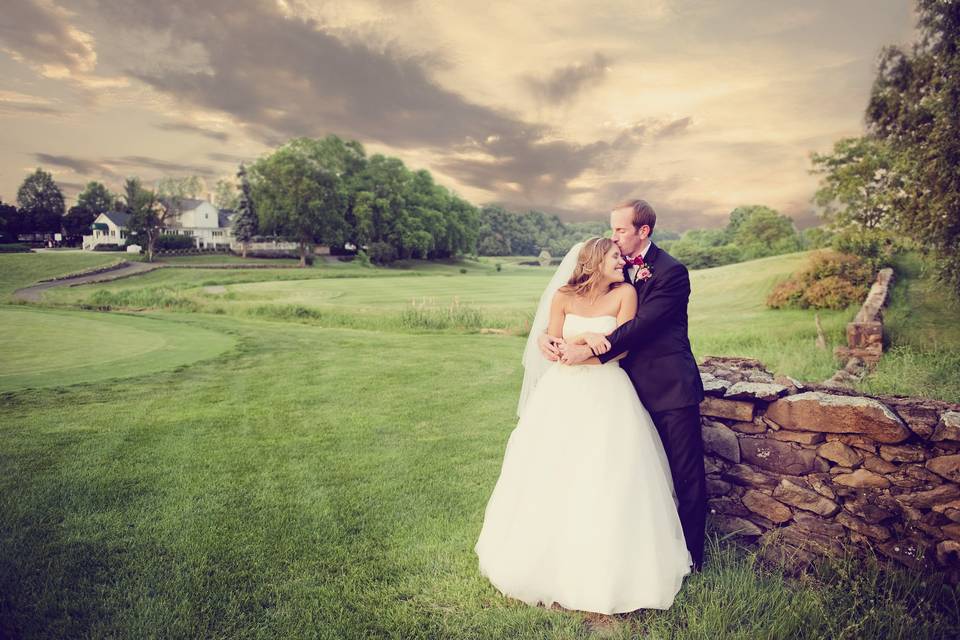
pixel 632 223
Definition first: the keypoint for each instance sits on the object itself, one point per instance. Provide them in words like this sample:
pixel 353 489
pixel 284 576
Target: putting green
pixel 50 348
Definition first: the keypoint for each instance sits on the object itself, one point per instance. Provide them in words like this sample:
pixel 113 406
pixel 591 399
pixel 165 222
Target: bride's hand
pixel 598 343
pixel 550 346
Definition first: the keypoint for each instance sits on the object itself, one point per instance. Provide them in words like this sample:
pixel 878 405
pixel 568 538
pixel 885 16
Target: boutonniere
pixel 644 272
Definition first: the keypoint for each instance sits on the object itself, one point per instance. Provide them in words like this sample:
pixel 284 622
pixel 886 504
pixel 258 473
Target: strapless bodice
pixel 574 325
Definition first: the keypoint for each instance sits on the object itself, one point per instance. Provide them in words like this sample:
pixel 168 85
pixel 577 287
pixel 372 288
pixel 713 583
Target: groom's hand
pixel 549 347
pixel 576 354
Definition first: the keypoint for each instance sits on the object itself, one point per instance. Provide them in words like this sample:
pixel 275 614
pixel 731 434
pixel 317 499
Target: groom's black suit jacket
pixel 660 362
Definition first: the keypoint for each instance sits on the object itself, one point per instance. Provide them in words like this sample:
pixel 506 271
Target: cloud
pixel 113 167
pixel 15 103
pixel 229 157
pixel 186 127
pixel 39 33
pixel 565 83
pixel 164 166
pixel 77 165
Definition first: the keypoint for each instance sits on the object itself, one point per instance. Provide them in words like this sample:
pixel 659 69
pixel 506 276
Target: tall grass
pixel 428 315
pixel 922 326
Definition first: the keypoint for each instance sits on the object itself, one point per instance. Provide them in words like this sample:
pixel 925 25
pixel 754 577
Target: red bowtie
pixel 637 262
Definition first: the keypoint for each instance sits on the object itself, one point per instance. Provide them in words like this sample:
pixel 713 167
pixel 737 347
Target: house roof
pixel 225 218
pixel 118 218
pixel 187 204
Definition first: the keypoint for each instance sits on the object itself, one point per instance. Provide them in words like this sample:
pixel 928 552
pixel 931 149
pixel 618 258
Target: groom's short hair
pixel 643 213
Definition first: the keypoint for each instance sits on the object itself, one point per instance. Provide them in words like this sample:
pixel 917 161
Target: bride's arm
pixel 557 313
pixel 597 342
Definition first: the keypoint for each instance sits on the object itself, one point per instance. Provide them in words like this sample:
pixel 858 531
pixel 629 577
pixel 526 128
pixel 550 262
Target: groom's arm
pixel 671 295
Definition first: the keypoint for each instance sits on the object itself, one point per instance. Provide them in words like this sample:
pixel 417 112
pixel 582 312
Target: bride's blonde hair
pixel 589 269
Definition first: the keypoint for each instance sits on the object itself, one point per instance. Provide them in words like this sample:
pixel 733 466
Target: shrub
pixel 104 246
pixel 830 280
pixel 872 245
pixel 833 292
pixel 169 242
pixel 462 270
pixel 382 253
pixel 786 294
pixel 499 267
pixel 15 247
pixel 363 258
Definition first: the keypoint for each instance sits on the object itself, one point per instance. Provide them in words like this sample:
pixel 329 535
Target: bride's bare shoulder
pixel 560 298
pixel 625 292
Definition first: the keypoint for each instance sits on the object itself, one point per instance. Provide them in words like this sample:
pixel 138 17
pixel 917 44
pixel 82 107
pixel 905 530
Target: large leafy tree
pixel 40 203
pixel 225 195
pixel 915 109
pixel 147 217
pixel 246 223
pixel 92 201
pixel 299 194
pixel 862 184
pixel 760 231
pixel 8 222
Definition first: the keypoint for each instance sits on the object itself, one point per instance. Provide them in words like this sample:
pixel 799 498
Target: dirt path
pixel 124 270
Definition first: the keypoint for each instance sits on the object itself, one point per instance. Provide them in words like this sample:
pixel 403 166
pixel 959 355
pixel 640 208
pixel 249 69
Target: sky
pixel 568 107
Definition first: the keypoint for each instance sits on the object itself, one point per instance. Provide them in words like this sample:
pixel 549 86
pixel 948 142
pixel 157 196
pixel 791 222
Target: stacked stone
pixel 810 470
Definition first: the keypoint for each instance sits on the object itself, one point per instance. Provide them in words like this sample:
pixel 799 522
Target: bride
pixel 583 514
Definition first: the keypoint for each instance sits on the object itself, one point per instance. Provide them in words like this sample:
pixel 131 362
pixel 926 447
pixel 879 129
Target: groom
pixel 660 362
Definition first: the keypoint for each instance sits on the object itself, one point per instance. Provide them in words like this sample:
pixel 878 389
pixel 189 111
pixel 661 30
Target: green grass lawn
pixel 276 479
pixel 727 312
pixel 298 487
pixel 47 348
pixel 19 270
pixel 922 325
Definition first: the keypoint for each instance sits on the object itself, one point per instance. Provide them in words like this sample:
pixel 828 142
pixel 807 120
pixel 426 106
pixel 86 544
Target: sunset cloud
pixel 564 107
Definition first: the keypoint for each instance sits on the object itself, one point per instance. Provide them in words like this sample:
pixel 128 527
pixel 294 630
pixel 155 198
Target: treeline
pixel 328 191
pixel 752 232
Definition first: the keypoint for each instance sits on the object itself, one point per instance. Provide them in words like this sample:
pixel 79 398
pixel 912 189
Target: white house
pixel 107 228
pixel 207 225
pixel 198 219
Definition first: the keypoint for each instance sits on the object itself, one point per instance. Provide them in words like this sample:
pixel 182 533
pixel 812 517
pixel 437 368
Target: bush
pixel 170 242
pixel 499 267
pixel 15 247
pixel 830 280
pixel 462 270
pixel 362 258
pixel 382 253
pixel 786 294
pixel 874 246
pixel 833 292
pixel 105 246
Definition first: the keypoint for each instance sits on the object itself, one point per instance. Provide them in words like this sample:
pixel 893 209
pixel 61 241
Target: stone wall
pixel 865 332
pixel 812 469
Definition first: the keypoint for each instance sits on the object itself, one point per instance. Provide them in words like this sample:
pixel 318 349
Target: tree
pixel 246 223
pixel 147 217
pixel 862 184
pixel 95 198
pixel 225 195
pixel 40 202
pixel 298 194
pixel 760 231
pixel 8 221
pixel 914 108
pixel 92 201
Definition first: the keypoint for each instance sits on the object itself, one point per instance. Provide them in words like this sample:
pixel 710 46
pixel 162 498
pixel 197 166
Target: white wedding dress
pixel 584 513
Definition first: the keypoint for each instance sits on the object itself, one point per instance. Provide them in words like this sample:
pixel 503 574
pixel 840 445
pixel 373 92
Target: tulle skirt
pixel 584 514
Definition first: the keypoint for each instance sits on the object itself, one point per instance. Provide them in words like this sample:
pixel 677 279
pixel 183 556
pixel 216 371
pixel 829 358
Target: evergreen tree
pixel 245 224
